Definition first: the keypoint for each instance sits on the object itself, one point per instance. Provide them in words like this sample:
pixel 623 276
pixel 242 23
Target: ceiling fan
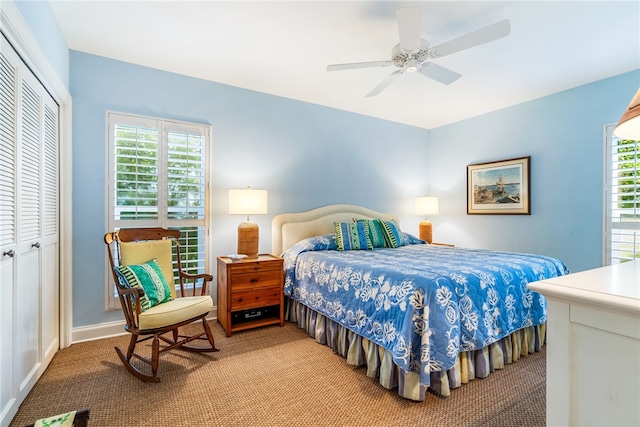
pixel 413 53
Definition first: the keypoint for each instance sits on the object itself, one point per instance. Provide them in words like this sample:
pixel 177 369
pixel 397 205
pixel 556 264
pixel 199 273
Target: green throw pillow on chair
pixel 149 277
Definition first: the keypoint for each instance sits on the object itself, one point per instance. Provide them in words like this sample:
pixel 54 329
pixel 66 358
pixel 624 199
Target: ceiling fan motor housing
pixel 400 57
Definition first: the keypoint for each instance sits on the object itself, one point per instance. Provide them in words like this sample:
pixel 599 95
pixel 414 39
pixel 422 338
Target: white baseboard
pixel 111 329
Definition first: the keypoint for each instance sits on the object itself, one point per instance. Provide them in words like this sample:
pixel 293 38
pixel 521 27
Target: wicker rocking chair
pixel 139 254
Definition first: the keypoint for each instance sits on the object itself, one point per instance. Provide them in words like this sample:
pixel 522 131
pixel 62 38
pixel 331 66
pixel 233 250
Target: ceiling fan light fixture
pixel 411 66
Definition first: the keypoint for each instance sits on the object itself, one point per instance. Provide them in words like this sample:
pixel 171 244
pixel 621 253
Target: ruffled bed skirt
pixel 360 351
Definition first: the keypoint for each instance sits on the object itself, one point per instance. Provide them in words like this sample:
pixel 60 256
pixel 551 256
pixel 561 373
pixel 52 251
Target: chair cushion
pixel 147 276
pixel 140 252
pixel 174 311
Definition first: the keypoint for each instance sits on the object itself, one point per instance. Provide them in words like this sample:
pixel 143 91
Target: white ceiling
pixel 283 48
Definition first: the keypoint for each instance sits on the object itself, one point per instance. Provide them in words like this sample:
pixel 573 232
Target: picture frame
pixel 499 188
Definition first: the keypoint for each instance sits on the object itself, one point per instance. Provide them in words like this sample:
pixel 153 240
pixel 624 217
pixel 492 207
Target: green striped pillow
pixel 352 236
pixel 376 235
pixel 393 236
pixel 147 276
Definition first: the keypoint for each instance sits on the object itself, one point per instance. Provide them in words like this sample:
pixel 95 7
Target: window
pixel 158 177
pixel 622 199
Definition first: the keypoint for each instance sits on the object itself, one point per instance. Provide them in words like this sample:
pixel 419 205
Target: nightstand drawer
pixel 255 298
pixel 255 279
pixel 259 266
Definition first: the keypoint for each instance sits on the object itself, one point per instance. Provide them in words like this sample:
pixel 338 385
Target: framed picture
pixel 500 187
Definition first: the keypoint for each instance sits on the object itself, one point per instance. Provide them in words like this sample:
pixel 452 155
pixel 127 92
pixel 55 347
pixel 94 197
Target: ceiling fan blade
pixel 383 84
pixel 409 28
pixel 439 73
pixel 352 66
pixel 475 38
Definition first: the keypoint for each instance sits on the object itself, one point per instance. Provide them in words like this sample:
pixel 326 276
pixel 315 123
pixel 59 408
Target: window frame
pixel 164 128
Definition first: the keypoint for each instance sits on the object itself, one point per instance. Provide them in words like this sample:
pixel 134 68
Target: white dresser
pixel 593 346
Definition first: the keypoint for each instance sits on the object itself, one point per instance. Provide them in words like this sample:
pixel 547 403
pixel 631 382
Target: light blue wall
pixel 563 134
pixel 39 16
pixel 305 155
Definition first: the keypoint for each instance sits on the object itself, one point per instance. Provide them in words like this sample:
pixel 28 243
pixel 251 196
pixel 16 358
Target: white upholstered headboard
pixel 289 229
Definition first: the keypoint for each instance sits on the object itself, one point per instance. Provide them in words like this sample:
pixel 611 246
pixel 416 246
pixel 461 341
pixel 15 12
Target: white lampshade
pixel 426 205
pixel 629 125
pixel 247 201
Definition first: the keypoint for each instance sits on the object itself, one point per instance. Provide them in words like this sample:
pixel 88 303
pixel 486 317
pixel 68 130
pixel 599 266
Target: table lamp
pixel 426 206
pixel 247 201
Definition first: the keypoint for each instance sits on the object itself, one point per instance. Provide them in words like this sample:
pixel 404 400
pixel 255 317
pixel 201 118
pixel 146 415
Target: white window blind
pixel 622 209
pixel 158 177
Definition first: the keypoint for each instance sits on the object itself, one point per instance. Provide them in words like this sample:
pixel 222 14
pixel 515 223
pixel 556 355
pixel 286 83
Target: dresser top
pixel 259 258
pixel 617 286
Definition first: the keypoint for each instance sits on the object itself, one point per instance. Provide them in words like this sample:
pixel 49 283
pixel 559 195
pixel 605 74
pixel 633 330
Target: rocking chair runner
pixel 136 246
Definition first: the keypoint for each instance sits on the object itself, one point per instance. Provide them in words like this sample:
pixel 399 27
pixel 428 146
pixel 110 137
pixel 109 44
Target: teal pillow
pixel 150 278
pixel 376 235
pixel 393 236
pixel 352 236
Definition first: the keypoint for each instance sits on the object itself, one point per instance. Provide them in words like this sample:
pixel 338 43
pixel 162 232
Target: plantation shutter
pixel 186 185
pixel 623 201
pixel 136 172
pixel 185 175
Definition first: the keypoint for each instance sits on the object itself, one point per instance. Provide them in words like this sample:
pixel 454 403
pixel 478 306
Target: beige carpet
pixel 270 376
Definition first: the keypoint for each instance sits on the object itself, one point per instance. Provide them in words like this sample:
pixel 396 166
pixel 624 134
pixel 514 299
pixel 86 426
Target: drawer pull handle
pixel 254 280
pixel 8 253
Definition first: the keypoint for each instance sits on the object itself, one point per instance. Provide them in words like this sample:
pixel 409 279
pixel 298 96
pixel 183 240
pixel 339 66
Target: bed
pixel 419 316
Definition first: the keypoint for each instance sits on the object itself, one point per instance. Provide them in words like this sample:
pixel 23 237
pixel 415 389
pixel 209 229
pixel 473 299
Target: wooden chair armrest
pixel 205 276
pixel 193 278
pixel 135 292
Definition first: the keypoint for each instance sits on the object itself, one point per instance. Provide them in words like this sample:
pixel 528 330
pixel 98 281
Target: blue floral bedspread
pixel 423 303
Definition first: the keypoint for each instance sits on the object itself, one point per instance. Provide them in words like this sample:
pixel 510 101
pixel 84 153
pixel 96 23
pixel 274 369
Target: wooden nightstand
pixel 250 292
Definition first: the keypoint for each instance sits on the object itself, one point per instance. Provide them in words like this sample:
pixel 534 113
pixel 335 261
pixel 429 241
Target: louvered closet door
pixel 8 83
pixel 29 241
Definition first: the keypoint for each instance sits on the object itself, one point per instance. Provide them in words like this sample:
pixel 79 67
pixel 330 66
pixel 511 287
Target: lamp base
pixel 426 231
pixel 248 239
